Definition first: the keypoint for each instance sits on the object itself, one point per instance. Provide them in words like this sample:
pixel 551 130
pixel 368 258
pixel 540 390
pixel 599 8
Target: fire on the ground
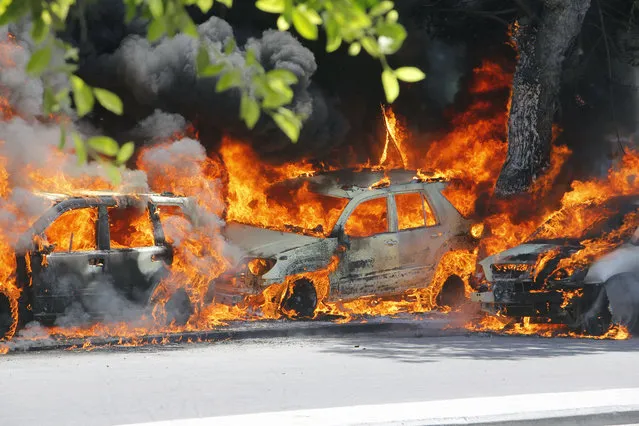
pixel 234 197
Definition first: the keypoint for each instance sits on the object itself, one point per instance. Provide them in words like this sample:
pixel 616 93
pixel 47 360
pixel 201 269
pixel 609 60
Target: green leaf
pixel 39 61
pixel 229 80
pixel 249 110
pixel 39 30
pixel 63 137
pixel 391 85
pixel 370 45
pixel 72 53
pixel 288 122
pixel 333 37
pixel 250 58
pixel 131 10
pixel 303 24
pixel 104 145
pixel 391 37
pixel 113 173
pixel 48 100
pixel 190 29
pixel 409 74
pixel 14 11
pixel 205 5
pixel 82 96
pixel 227 3
pixel 156 7
pixel 271 6
pixel 285 76
pixel 230 46
pixel 392 16
pixel 354 49
pixel 381 8
pixel 212 70
pixel 109 100
pixel 202 60
pixel 156 29
pixel 125 152
pixel 80 149
pixel 283 24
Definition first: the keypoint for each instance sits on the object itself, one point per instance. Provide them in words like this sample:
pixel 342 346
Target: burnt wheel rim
pixel 302 300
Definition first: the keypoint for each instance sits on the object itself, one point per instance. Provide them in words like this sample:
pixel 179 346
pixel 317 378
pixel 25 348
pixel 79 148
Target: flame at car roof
pixel 346 182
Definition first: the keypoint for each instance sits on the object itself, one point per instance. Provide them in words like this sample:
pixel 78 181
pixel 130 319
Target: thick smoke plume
pixel 162 76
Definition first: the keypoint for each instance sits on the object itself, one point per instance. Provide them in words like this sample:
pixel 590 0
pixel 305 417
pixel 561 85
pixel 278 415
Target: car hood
pixel 264 242
pixel 523 253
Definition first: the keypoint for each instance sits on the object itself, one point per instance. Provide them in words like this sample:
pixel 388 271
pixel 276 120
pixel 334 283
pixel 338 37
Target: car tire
pixel 453 293
pixel 301 300
pixel 179 308
pixel 7 326
pixel 597 319
pixel 622 292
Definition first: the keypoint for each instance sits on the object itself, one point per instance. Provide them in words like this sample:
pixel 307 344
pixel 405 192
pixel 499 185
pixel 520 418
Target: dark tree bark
pixel 541 44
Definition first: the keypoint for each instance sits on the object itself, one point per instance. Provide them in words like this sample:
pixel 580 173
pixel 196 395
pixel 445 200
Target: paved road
pixel 108 387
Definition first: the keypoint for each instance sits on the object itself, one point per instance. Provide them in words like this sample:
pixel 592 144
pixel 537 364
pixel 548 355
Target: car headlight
pixel 563 274
pixel 260 266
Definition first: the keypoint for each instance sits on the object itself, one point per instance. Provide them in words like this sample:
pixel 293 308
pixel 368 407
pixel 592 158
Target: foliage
pixel 368 24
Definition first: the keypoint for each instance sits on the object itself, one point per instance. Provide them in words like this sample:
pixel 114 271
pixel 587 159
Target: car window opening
pixel 130 227
pixel 368 218
pixel 74 230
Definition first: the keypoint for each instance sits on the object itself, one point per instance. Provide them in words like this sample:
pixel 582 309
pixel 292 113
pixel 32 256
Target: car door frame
pixel 84 265
pixel 343 283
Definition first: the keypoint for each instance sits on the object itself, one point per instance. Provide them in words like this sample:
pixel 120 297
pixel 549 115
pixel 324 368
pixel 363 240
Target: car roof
pixel 347 183
pixel 57 197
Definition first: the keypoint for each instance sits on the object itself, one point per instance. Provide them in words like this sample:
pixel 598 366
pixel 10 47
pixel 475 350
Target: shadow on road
pixel 426 349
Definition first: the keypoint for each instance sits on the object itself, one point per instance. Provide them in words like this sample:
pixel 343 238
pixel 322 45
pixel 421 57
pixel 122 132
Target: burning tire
pixel 7 322
pixel 452 293
pixel 179 308
pixel 301 299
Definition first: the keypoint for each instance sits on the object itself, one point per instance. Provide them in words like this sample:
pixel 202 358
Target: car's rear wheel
pixel 7 322
pixel 452 293
pixel 301 300
pixel 179 308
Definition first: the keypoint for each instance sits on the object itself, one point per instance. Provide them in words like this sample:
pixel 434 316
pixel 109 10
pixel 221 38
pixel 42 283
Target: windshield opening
pixel 294 207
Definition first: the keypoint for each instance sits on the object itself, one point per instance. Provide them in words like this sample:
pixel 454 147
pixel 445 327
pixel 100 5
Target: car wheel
pixel 301 300
pixel 7 326
pixel 179 308
pixel 622 292
pixel 452 293
pixel 597 319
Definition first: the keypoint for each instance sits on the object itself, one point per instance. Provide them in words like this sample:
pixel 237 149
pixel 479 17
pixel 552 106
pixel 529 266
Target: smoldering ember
pixel 499 193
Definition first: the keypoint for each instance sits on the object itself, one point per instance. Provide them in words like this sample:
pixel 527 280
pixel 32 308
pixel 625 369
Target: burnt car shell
pixel 53 279
pixel 383 263
pixel 516 283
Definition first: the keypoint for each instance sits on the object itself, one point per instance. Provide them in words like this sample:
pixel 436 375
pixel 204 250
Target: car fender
pixel 308 258
pixel 624 260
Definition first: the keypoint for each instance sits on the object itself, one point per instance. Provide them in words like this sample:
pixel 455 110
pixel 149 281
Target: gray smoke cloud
pixel 163 76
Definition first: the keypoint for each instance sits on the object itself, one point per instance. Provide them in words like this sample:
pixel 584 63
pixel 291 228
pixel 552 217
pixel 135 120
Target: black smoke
pixel 339 93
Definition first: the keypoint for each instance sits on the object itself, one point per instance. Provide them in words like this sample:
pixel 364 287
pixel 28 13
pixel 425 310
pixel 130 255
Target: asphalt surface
pixel 113 386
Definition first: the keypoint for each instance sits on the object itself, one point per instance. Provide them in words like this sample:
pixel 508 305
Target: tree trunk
pixel 541 45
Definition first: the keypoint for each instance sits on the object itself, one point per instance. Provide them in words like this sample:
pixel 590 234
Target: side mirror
pixel 343 240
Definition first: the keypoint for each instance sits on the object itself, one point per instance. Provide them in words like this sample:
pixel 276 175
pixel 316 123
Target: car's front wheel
pixel 301 299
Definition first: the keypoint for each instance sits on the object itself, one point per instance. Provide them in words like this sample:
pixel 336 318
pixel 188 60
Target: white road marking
pixel 452 411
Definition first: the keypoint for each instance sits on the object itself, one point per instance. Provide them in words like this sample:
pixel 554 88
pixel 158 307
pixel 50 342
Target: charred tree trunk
pixel 541 45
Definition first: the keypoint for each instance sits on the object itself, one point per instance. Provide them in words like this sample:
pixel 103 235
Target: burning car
pixel 101 254
pixel 586 278
pixel 387 230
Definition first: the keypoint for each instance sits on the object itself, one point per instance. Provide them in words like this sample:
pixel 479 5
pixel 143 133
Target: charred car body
pixel 585 280
pixel 84 253
pixel 388 237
